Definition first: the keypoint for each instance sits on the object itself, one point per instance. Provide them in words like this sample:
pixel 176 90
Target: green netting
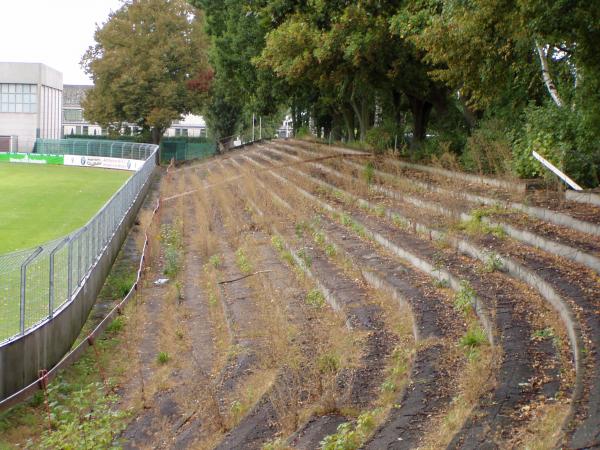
pixel 185 151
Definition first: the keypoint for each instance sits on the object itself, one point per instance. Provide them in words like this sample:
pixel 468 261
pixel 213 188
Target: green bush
pixel 489 149
pixel 380 138
pixel 563 137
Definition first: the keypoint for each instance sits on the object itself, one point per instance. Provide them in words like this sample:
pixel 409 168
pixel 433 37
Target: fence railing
pixel 36 284
pixel 93 147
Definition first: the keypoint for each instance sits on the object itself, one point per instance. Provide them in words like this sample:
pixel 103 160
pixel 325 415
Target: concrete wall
pixel 23 125
pixel 22 359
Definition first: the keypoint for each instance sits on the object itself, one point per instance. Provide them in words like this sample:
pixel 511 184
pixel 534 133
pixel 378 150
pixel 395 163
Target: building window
pixel 184 132
pixel 177 132
pixel 73 115
pixel 86 130
pixel 18 98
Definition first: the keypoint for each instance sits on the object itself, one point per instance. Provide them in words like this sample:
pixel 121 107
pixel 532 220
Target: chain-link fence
pixel 36 284
pixel 92 147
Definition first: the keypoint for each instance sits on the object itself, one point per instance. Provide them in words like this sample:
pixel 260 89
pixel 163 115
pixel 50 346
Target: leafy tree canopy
pixel 149 66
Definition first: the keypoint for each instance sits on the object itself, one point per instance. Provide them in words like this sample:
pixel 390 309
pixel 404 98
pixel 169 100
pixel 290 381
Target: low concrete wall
pixel 43 347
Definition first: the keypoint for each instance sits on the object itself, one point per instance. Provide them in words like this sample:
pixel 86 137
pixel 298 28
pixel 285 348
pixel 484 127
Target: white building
pixel 191 126
pixel 74 122
pixel 30 105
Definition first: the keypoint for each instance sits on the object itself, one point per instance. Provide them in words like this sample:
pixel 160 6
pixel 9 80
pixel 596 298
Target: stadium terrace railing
pixel 93 147
pixel 35 285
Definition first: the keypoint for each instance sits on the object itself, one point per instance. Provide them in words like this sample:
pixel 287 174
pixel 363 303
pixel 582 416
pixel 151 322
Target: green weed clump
pixel 315 299
pixel 215 261
pixel 472 340
pixel 328 363
pixel 277 243
pixel 351 436
pixel 464 301
pixel 243 262
pixel 369 173
pixel 172 240
pixel 90 419
pixel 163 358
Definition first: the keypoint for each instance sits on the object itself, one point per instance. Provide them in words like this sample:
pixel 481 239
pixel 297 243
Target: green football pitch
pixel 39 203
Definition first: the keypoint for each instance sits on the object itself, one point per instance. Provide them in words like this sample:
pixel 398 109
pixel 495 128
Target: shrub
pixel 563 137
pixel 380 139
pixel 488 149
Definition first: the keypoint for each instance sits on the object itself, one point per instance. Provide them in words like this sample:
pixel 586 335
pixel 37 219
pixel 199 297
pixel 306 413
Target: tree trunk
pixel 359 113
pixel 421 109
pixel 546 75
pixel 157 133
pixel 349 123
pixel 470 116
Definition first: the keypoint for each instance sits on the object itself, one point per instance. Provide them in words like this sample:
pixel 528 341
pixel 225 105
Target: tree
pixel 149 66
pixel 240 89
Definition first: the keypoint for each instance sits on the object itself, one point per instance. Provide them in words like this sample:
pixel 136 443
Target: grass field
pixel 39 203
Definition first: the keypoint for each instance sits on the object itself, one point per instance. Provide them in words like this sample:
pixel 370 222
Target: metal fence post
pixel 70 274
pixel 24 286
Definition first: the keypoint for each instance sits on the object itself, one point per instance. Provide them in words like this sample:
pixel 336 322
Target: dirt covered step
pixel 516 366
pixel 574 245
pixel 357 387
pixel 537 203
pixel 587 405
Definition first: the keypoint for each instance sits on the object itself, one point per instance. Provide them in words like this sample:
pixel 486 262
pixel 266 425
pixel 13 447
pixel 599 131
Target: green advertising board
pixel 32 158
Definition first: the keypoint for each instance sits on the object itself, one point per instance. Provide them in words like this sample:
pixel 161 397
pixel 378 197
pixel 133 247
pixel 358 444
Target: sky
pixel 54 32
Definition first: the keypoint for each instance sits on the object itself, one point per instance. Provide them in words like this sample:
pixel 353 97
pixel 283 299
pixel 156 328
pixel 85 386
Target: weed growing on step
pixel 464 300
pixel 116 325
pixel 277 243
pixel 330 250
pixel 242 261
pixel 328 363
pixel 319 238
pixel 277 444
pixel 477 227
pixel 179 288
pixel 89 419
pixel 471 341
pixel 399 221
pixel 369 173
pixel 315 299
pixel 545 333
pixel 215 261
pixel 350 436
pixel 162 358
pixel 493 263
pixel 305 257
pixel 171 238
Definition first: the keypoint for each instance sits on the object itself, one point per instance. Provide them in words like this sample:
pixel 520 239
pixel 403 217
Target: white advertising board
pixel 103 162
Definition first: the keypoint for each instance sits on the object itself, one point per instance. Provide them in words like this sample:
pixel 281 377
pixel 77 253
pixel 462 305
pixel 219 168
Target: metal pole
pixel 24 286
pixel 70 274
pixel 52 295
pixel 253 116
pixel 260 128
